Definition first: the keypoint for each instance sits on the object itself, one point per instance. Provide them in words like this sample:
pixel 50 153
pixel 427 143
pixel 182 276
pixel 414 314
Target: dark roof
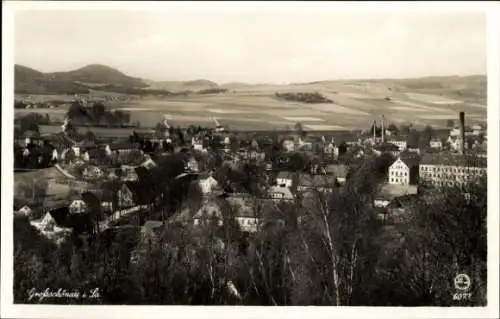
pixel 61 216
pixel 141 193
pixel 285 174
pixel 410 159
pixel 453 160
pixel 387 147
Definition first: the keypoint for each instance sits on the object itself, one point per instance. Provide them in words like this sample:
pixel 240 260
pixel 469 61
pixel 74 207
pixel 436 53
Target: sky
pixel 277 46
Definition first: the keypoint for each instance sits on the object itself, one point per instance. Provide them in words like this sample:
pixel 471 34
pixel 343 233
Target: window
pixel 392 180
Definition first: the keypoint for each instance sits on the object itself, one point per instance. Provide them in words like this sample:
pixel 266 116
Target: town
pixel 197 177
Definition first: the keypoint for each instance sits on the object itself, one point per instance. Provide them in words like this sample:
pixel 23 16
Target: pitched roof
pixel 283 190
pixel 387 147
pixel 209 209
pixel 339 170
pixel 316 180
pixel 449 159
pixel 241 205
pixel 285 174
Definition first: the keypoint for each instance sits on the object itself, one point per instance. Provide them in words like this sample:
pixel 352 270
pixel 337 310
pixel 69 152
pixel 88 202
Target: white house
pixel 284 179
pixel 76 150
pixel 477 129
pixel 85 156
pixel 55 155
pixel 332 149
pixel 289 145
pixel 403 171
pixel 49 228
pixel 280 193
pixel 208 185
pixel 210 210
pixel 436 143
pixel 78 206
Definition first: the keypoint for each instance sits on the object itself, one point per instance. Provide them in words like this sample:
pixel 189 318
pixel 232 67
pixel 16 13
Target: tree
pixel 450 123
pixel 299 129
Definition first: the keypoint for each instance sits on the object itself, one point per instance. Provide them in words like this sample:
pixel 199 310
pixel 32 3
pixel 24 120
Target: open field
pixel 356 105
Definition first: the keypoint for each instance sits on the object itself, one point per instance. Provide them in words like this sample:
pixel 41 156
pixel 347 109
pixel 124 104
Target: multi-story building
pixel 404 170
pixel 451 169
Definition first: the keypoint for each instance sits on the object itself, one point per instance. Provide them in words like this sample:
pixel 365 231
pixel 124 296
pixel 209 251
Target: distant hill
pixel 31 81
pixel 183 86
pixel 99 74
pixel 236 85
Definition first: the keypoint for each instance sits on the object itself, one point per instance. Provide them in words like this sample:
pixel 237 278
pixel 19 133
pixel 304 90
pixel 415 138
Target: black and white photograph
pixel 250 154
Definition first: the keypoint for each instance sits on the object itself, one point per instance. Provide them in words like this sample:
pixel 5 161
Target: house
pixel 210 210
pixel 24 211
pixel 339 171
pixel 125 196
pixel 451 169
pixel 436 143
pixel 197 144
pixel 284 179
pixel 192 165
pixel 322 183
pixel 77 206
pixel 404 170
pixel 477 129
pixel 92 172
pixel 149 163
pixel 208 185
pixel 53 226
pixel 454 142
pixel 400 143
pixel 129 173
pixel 304 144
pixel 331 149
pixel 386 148
pixel 279 193
pixel 244 214
pixel 289 145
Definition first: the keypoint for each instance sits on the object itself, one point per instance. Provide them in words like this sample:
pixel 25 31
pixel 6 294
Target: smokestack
pixel 374 131
pixel 462 132
pixel 383 130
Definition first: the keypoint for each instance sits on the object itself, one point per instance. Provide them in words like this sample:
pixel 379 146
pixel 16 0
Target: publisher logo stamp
pixel 462 283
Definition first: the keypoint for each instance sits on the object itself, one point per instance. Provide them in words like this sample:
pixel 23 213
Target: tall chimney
pixel 462 132
pixel 374 131
pixel 383 129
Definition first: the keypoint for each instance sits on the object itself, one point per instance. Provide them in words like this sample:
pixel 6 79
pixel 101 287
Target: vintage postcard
pixel 281 159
